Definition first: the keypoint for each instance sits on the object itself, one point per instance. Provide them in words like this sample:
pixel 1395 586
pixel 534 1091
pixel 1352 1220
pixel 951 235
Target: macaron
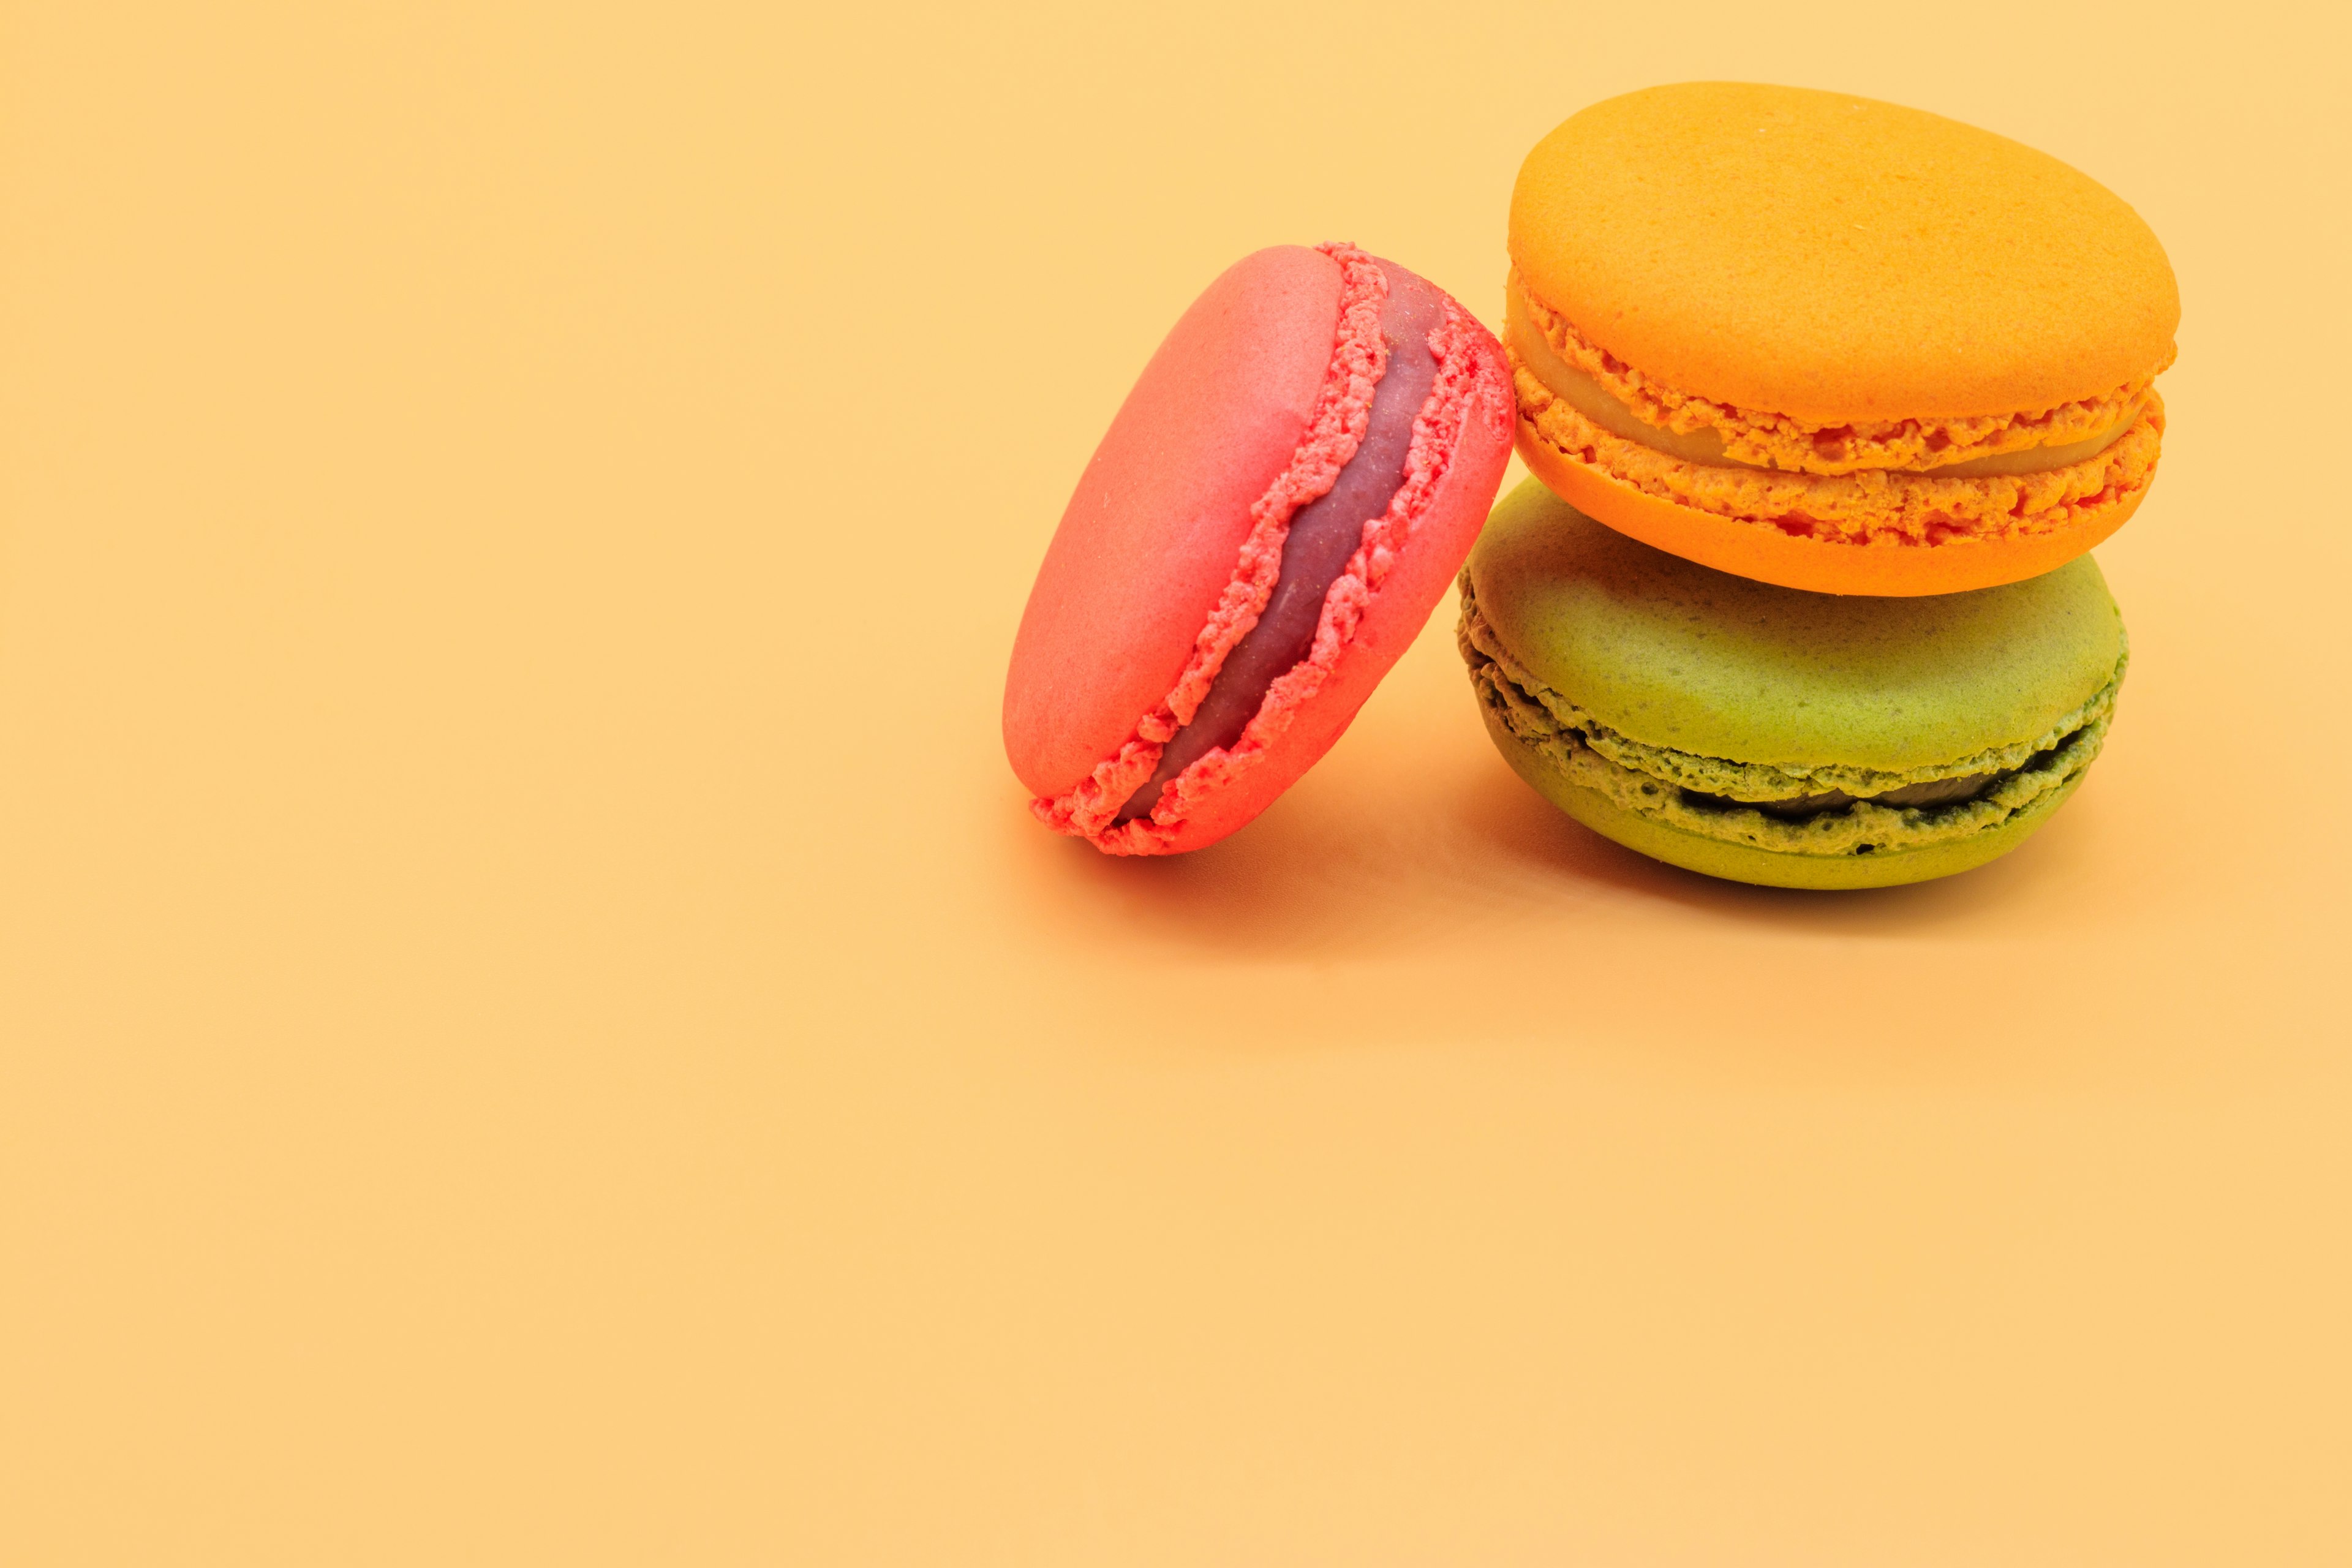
pixel 1276 509
pixel 1774 735
pixel 1833 343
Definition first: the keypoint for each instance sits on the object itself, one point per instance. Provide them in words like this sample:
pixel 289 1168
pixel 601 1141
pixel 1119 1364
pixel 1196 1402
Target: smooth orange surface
pixel 1764 553
pixel 1833 258
pixel 537 1028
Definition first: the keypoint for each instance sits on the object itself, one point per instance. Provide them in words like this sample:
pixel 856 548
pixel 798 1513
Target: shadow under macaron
pixel 1360 862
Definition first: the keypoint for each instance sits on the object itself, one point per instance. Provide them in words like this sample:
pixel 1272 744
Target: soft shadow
pixel 1365 863
pixel 1529 826
pixel 1358 863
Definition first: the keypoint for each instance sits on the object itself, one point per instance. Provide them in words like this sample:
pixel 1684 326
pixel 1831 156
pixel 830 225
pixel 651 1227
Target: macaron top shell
pixel 1672 653
pixel 1830 257
pixel 1279 504
pixel 1165 503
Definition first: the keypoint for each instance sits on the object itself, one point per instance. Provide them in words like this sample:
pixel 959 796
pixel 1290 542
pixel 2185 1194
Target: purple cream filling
pixel 1323 535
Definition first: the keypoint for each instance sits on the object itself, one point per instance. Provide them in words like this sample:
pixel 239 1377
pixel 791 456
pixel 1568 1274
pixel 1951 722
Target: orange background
pixel 537 1026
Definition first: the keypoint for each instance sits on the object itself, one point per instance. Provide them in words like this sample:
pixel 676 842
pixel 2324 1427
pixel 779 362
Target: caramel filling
pixel 1580 392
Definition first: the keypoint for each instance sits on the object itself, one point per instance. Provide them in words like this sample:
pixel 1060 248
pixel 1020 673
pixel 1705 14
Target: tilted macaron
pixel 1832 343
pixel 1773 735
pixel 1273 514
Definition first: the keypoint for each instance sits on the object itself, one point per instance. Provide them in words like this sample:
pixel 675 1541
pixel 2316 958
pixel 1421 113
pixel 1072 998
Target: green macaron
pixel 1770 735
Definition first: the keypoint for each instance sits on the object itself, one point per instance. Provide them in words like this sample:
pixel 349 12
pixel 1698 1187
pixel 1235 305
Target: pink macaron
pixel 1278 506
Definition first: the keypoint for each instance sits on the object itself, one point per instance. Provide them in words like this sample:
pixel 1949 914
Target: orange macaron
pixel 1832 343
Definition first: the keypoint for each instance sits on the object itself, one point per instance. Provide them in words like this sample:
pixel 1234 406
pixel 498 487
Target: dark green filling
pixel 1918 796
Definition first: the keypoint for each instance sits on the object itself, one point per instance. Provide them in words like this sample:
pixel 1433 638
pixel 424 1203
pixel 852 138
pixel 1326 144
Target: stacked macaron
pixel 1865 383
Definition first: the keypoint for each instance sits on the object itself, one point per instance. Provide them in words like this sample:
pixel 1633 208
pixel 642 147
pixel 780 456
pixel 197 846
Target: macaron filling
pixel 1704 444
pixel 1926 481
pixel 1323 535
pixel 1934 791
pixel 1830 810
pixel 1873 506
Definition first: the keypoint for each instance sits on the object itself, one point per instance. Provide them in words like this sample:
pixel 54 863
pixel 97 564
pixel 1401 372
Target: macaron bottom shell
pixel 1766 554
pixel 1765 867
